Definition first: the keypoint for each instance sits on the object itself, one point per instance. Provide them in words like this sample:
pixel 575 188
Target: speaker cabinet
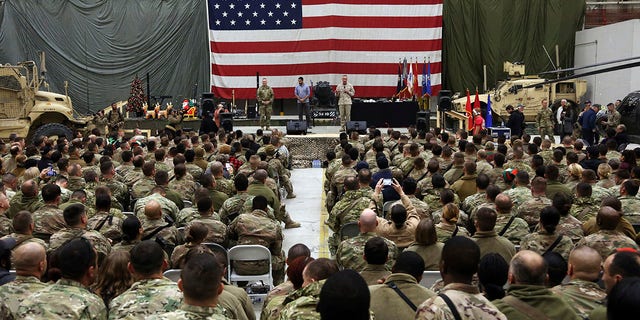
pixel 359 126
pixel 422 121
pixel 296 127
pixel 226 121
pixel 207 103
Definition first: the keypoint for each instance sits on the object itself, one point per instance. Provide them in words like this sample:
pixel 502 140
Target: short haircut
pixel 241 182
pixel 321 268
pixel 631 186
pixel 486 219
pixel 260 202
pixel 204 204
pixel 147 257
pixel 624 298
pixel 461 256
pixel 376 251
pixel 483 181
pixel 73 214
pixel 103 202
pixel 148 168
pixel 626 264
pixel 22 221
pixel 201 276
pixel 556 267
pixel 344 295
pixel 50 192
pixel 180 170
pixel 75 258
pixel 410 263
pixel 298 250
pixel 161 178
pixel 526 271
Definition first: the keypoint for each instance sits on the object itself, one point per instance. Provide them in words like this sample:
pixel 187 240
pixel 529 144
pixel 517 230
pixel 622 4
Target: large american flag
pixel 320 41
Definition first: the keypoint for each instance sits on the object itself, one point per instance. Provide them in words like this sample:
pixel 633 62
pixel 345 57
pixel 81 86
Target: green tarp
pixel 489 32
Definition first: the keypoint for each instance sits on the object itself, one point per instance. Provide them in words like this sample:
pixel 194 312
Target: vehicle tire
pixel 53 129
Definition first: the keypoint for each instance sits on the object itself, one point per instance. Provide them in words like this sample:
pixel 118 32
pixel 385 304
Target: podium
pixel 500 131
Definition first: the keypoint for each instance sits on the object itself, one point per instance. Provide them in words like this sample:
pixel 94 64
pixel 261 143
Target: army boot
pixel 290 224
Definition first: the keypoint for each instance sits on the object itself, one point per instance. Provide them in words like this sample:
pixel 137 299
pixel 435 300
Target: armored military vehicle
pixel 28 111
pixel 529 91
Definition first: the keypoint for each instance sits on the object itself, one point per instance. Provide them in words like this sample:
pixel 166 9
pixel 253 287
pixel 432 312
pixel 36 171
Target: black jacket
pixel 516 123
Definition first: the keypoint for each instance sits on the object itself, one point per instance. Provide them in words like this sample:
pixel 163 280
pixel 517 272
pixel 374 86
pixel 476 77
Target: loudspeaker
pixel 444 100
pixel 207 103
pixel 226 121
pixel 251 112
pixel 360 126
pixel 422 121
pixel 296 127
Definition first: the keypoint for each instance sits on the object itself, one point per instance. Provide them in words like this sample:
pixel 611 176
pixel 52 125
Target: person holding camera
pixel 344 92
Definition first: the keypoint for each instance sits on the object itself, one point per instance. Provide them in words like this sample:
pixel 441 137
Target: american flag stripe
pixel 364 41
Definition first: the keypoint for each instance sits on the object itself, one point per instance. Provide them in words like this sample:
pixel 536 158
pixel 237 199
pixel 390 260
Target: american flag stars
pixel 248 15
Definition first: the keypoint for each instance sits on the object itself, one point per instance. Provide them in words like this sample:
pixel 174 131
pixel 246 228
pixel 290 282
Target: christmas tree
pixel 137 98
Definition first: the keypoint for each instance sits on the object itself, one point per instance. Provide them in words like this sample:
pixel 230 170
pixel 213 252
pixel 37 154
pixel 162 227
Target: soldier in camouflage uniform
pixel 507 225
pixel 265 98
pixel 282 174
pixel 151 294
pixel 136 173
pixel 348 209
pixel 547 235
pixel 156 227
pixel 629 200
pixel 108 179
pixel 519 163
pixel 582 291
pixel 521 192
pixel 143 187
pixel 169 208
pixel 480 197
pixel 301 303
pixel 181 184
pixel 105 222
pixel 126 166
pixel 76 220
pixel 530 209
pixel 457 169
pixel 115 119
pixel 351 251
pixel 6 225
pixel 544 121
pixel 607 239
pixel 223 184
pixel 217 230
pixel 234 206
pixel 337 180
pixel 69 297
pixel 258 228
pixel 30 261
pixel 25 199
pixel 461 256
pixel 584 206
pixel 49 219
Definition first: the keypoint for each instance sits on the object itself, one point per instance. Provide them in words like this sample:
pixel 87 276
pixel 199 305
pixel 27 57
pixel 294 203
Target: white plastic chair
pixel 172 274
pixel 187 203
pixel 249 253
pixel 429 278
pixel 128 214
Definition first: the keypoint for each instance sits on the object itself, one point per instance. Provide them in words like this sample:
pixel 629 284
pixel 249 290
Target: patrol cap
pixel 6 245
pixel 362 165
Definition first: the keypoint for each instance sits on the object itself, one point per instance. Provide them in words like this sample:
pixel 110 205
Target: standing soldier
pixel 344 92
pixel 116 120
pixel 544 121
pixel 265 97
pixel 613 117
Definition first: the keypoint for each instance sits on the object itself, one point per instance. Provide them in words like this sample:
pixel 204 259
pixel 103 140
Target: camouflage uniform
pixel 547 156
pixel 584 208
pixel 582 296
pixel 194 170
pixel 598 193
pixel 521 165
pixel 469 302
pixel 258 189
pixel 485 167
pixel 14 292
pixel 143 187
pixel 6 225
pixel 422 208
pixel 540 241
pixel 265 107
pixel 518 195
pixel 432 198
pixel 387 304
pixel 544 123
pixel 132 177
pixel 452 175
pixel 351 251
pixel 539 297
pixel 570 227
pixel 100 243
pixel 48 220
pixel 348 209
pixel 472 202
pixel 188 312
pixel 66 299
pixel 145 298
pixel 187 215
pixel 445 231
pixel 516 231
pixel 606 241
pixel 234 206
pixel 169 234
pixel 630 208
pixel 185 187
pixel 217 230
pixel 125 245
pixel 169 208
pixel 110 225
pixel 122 171
pixel 118 189
pixel 374 272
pixel 20 202
pixel 257 228
pixel 301 304
pixel 530 210
pixel 225 186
